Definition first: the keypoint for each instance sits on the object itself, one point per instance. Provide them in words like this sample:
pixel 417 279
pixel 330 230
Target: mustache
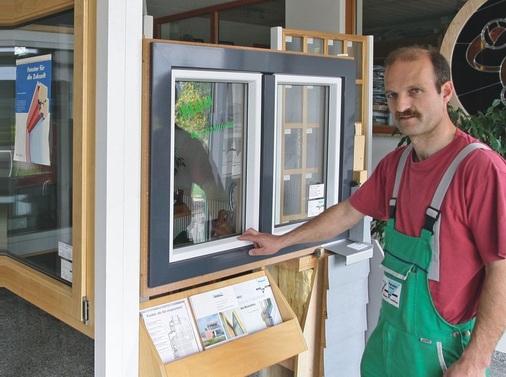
pixel 409 113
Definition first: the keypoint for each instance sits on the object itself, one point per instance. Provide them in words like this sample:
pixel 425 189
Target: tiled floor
pixel 33 343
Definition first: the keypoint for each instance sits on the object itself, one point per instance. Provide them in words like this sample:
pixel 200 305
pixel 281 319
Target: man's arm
pixel 490 325
pixel 325 226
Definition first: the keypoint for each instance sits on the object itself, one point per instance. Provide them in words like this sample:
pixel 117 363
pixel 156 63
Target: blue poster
pixel 33 95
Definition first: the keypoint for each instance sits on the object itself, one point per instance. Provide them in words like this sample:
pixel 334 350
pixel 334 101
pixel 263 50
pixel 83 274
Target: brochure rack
pixel 237 358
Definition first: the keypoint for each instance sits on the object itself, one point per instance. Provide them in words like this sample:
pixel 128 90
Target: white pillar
pixel 117 225
pixel 321 15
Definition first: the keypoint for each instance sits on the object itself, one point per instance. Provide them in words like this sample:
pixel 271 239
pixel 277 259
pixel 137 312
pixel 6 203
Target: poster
pixel 33 94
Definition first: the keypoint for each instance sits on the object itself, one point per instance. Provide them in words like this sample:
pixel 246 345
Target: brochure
pixel 172 330
pixel 233 311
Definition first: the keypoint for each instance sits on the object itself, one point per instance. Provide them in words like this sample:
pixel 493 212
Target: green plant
pixel 489 127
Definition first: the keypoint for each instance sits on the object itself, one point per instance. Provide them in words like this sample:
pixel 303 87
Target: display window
pixel 36 148
pixel 47 135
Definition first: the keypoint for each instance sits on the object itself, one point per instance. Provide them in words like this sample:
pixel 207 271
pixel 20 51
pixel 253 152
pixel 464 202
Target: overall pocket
pixel 396 266
pixel 414 356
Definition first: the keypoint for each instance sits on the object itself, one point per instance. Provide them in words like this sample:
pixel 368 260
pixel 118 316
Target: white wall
pixel 326 16
pixel 381 146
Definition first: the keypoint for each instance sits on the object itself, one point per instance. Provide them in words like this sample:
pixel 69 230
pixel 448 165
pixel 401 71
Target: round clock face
pixel 479 57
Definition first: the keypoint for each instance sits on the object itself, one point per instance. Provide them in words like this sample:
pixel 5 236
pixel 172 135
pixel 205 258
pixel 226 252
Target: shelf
pixel 385 130
pixel 352 252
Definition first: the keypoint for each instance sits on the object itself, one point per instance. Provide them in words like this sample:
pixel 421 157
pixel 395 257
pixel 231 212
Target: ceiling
pixel 385 19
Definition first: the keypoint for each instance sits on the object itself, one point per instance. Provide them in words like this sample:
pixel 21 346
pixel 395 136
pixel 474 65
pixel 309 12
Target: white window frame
pixel 332 173
pixel 251 158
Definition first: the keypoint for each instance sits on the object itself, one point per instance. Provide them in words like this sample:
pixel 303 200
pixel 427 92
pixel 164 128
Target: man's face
pixel 413 98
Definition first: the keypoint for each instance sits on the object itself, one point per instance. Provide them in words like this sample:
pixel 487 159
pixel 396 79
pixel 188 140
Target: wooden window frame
pixel 58 299
pixel 363 123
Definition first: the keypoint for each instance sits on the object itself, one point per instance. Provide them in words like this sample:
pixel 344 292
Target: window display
pixel 237 138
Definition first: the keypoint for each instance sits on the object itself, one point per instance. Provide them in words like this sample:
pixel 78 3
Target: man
pixel 444 295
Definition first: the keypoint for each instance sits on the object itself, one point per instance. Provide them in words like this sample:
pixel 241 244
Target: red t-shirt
pixel 473 217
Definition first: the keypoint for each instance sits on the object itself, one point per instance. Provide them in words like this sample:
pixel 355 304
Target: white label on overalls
pixel 391 291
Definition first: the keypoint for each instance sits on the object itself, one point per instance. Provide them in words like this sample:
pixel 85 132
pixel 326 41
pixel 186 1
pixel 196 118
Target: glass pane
pixel 293 148
pixel 315 46
pixel 292 194
pixel 301 160
pixel 36 81
pixel 195 29
pixel 335 47
pixel 254 32
pixel 358 103
pixel 315 104
pixel 293 43
pixel 313 159
pixel 294 96
pixel 208 168
pixel 355 51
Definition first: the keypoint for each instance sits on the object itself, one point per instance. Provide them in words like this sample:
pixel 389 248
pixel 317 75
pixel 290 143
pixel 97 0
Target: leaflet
pixel 233 311
pixel 172 330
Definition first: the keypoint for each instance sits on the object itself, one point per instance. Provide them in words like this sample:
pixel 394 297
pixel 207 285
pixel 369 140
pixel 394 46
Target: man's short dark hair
pixel 440 65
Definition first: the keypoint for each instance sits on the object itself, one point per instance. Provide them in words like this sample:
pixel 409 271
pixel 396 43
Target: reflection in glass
pixel 208 167
pixel 36 145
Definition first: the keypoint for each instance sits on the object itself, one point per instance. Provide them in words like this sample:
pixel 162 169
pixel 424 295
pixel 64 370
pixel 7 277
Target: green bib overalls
pixel 411 339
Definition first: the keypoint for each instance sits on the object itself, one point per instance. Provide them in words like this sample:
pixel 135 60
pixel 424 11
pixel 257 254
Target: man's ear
pixel 447 91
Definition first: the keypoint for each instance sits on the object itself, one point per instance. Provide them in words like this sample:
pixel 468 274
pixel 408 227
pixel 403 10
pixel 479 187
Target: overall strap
pixel 397 183
pixel 432 215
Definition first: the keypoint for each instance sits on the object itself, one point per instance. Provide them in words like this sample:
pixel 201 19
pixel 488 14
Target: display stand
pixel 237 358
pixel 312 318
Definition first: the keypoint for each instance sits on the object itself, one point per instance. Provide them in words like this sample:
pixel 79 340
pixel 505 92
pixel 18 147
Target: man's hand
pixel 265 244
pixel 489 327
pixel 462 369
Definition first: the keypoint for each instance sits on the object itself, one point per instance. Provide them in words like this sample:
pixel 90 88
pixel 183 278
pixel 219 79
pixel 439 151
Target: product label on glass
pixel 315 207
pixel 316 191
